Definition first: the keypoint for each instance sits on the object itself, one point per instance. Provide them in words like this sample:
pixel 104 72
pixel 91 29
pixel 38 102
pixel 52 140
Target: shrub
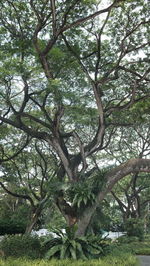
pixel 134 227
pixel 21 246
pixel 66 245
pixel 11 227
pixel 143 251
pixel 127 239
pixel 129 245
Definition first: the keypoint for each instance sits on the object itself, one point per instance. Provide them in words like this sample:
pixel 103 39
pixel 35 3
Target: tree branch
pixel 53 7
pixel 91 16
pixel 112 177
pixel 81 146
pixel 17 195
pixel 16 153
pixel 63 28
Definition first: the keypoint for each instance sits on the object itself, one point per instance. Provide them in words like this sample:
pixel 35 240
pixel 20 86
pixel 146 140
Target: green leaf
pixel 73 243
pixel 53 251
pixel 63 251
pixel 73 253
pixel 79 202
pixel 81 252
pixel 95 249
pixel 85 200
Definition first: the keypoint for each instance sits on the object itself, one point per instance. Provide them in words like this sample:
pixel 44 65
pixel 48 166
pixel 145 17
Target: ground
pixel 145 260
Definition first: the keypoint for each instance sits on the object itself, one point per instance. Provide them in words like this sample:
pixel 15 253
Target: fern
pixel 69 246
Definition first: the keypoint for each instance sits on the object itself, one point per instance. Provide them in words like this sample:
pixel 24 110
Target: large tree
pixel 73 73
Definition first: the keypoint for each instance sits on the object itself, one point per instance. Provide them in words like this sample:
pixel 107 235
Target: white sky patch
pixel 104 3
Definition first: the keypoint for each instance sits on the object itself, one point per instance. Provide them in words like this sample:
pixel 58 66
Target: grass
pixel 140 248
pixel 123 260
pixel 143 248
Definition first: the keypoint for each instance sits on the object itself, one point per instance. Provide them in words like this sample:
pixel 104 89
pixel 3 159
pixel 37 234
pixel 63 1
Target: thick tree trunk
pixel 84 221
pixel 112 177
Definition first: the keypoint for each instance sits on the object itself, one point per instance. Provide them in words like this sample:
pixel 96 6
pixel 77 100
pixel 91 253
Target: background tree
pixel 71 76
pixel 31 178
pixel 132 193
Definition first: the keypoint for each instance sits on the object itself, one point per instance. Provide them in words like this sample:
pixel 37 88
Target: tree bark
pixel 33 220
pixel 112 177
pixel 67 211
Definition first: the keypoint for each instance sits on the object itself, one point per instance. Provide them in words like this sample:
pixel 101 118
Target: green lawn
pixel 124 260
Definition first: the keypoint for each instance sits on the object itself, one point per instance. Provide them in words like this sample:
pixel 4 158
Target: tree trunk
pixel 112 177
pixel 84 221
pixel 33 220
